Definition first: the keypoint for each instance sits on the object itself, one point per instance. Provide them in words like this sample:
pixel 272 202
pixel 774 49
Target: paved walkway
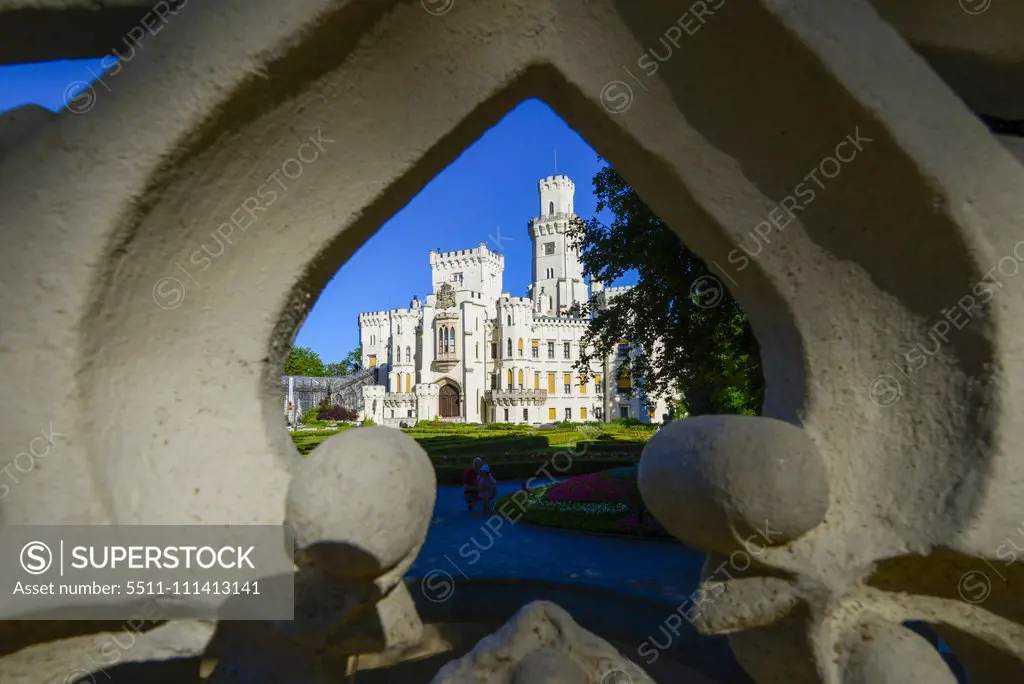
pixel 464 545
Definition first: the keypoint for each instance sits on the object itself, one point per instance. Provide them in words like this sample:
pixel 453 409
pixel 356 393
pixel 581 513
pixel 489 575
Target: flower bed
pixel 593 488
pixel 607 501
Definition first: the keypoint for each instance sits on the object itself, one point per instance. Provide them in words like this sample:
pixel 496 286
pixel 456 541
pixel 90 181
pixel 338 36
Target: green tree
pixel 347 366
pixel 690 334
pixel 304 361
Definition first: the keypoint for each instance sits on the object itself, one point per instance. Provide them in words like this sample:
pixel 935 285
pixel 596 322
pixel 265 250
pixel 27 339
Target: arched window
pixel 520 378
pixel 520 346
pixel 509 354
pixel 510 319
pixel 551 208
pixel 510 378
pixel 451 340
pixel 399 328
pixel 408 355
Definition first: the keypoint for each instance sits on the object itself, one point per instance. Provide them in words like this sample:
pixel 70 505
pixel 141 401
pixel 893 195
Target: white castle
pixel 473 353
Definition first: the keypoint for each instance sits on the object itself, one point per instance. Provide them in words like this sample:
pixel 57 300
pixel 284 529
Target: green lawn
pixel 516 451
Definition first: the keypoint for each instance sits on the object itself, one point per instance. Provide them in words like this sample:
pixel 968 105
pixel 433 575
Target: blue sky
pixel 493 183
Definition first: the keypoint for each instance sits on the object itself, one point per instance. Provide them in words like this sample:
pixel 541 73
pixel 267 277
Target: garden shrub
pixel 338 413
pixel 451 474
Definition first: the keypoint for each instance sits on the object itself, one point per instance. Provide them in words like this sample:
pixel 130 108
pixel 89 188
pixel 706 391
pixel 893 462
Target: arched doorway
pixel 448 402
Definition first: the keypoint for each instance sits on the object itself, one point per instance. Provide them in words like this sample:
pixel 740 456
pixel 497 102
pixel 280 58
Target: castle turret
pixel 557 271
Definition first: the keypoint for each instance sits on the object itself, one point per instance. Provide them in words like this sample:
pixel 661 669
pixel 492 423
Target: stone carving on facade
pixel 445 296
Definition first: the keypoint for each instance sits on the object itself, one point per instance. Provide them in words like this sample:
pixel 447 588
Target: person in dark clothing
pixel 470 489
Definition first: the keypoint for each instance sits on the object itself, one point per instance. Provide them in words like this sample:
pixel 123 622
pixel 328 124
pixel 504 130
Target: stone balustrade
pixel 516 397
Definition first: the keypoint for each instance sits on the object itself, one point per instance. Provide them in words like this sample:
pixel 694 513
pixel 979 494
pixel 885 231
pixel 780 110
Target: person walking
pixel 470 486
pixel 487 487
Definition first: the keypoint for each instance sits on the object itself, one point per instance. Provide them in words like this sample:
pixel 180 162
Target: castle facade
pixel 473 353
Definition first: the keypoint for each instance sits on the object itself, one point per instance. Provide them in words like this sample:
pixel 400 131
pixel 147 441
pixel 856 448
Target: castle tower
pixel 557 271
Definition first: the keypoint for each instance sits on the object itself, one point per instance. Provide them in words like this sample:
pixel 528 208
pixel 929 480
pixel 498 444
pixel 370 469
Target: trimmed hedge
pixel 451 474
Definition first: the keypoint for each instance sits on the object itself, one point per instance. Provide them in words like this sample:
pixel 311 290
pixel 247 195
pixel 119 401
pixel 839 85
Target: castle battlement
pixel 510 301
pixel 372 314
pixel 479 254
pixel 559 180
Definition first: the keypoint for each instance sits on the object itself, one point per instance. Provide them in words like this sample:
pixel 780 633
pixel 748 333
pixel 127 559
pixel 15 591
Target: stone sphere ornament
pixel 724 483
pixel 361 502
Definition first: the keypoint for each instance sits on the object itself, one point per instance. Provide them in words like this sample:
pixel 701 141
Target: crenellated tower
pixel 557 270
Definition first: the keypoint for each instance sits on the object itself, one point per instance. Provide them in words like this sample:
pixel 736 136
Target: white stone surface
pixel 541 644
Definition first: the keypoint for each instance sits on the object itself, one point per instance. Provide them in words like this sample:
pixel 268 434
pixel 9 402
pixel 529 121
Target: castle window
pixel 625 381
pixel 408 355
pixel 535 349
pixel 551 208
pixel 494 350
pixel 520 378
pixel 568 413
pixel 509 348
pixel 549 248
pixel 510 319
pixel 510 378
pixel 494 381
pixel 520 346
pixel 566 350
pixel 526 415
pixel 551 350
pixel 478 350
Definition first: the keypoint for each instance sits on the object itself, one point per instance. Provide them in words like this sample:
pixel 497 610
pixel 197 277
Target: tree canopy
pixel 690 334
pixel 304 361
pixel 347 366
